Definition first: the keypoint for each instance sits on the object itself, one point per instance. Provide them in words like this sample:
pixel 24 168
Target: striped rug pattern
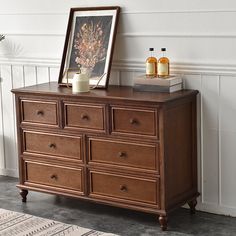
pixel 19 224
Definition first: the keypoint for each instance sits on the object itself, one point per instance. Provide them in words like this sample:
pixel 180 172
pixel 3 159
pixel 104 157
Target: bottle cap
pixel 151 49
pixel 163 49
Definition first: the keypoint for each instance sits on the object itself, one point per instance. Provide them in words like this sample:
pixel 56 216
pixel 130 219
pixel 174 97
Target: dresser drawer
pixel 124 187
pixel 41 112
pixel 52 144
pixel 84 116
pixel 134 121
pixel 128 154
pixel 56 176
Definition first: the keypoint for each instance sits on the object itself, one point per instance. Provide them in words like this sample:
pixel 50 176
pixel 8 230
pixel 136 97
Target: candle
pixel 80 83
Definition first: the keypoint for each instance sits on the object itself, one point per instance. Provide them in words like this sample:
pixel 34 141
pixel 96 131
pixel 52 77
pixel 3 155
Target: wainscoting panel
pixel 195 82
pixel 15 76
pixel 2 149
pixel 210 144
pixel 227 129
pixel 8 119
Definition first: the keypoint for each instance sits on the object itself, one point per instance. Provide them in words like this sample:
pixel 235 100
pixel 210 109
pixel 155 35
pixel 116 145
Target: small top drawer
pixel 134 121
pixel 41 112
pixel 84 116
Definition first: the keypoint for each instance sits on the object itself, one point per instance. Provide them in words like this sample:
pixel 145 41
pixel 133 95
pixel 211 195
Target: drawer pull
pixel 121 154
pixel 123 188
pixel 84 117
pixel 54 177
pixel 133 121
pixel 52 145
pixel 40 113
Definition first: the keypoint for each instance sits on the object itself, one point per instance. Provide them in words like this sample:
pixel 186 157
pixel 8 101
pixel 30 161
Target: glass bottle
pixel 151 64
pixel 163 68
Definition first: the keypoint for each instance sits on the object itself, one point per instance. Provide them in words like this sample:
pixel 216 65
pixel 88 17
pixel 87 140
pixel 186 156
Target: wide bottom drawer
pixel 54 175
pixel 124 188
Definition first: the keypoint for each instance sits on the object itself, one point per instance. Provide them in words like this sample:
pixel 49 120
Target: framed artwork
pixel 89 44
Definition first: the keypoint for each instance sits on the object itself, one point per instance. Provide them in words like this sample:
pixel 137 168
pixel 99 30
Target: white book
pixel 167 81
pixel 158 88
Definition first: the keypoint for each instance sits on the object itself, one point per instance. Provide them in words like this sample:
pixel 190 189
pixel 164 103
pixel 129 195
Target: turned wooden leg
pixel 23 194
pixel 192 204
pixel 163 222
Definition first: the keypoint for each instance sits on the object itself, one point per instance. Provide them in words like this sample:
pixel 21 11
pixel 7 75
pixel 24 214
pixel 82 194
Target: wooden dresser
pixel 129 149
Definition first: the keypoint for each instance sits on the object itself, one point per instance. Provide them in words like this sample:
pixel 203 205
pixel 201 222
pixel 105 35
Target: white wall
pixel 200 39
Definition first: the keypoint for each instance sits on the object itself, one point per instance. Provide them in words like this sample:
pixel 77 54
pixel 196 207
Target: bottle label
pixel 150 68
pixel 162 69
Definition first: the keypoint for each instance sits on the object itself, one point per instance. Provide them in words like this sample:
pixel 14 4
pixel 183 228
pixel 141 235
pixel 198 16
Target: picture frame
pixel 89 45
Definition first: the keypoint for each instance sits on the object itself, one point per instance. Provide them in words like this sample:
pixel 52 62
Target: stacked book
pixel 168 84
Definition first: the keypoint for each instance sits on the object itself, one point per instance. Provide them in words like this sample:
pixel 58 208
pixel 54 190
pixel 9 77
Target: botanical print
pixel 90 44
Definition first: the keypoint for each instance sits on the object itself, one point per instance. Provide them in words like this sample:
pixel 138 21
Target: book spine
pixel 157 88
pixel 160 82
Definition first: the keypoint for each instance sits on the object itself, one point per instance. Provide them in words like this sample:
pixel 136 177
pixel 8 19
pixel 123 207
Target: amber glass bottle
pixel 163 65
pixel 151 64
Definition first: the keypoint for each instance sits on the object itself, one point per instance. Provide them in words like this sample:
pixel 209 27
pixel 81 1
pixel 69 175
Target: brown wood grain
pixel 125 187
pixel 113 152
pixel 42 112
pixel 51 144
pixel 53 175
pixel 119 147
pixel 84 116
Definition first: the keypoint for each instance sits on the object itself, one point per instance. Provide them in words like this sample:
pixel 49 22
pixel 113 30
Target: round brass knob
pixel 40 113
pixel 84 117
pixel 52 145
pixel 53 176
pixel 121 154
pixel 133 121
pixel 123 188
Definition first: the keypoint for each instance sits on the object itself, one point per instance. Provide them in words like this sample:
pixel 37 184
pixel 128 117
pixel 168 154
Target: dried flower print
pixel 89 45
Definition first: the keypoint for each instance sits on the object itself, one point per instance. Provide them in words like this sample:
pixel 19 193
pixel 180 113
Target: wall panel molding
pixel 33 34
pixel 176 35
pixel 203 11
pixel 133 65
pixel 128 34
pixel 191 68
pixel 31 61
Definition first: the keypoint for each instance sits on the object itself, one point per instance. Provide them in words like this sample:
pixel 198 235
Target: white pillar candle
pixel 80 83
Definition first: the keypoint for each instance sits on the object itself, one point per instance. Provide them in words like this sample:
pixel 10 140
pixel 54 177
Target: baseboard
pixel 9 172
pixel 217 209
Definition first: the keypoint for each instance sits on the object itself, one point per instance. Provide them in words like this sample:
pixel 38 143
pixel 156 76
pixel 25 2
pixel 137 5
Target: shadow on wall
pixel 10 48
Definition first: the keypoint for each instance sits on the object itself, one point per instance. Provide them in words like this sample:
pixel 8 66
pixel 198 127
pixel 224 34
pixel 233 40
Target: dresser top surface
pixel 112 92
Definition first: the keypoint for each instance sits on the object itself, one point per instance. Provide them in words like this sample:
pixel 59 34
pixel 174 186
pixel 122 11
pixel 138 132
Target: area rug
pixel 19 224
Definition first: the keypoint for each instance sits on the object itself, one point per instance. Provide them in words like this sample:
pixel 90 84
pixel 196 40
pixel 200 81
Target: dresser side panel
pixel 180 153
